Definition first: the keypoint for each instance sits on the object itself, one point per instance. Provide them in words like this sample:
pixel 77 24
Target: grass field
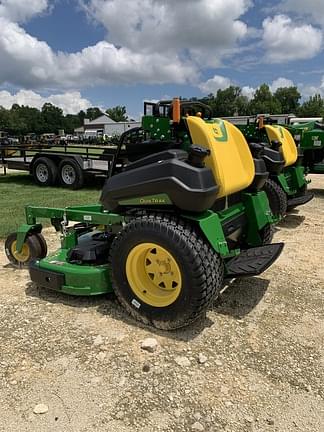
pixel 18 190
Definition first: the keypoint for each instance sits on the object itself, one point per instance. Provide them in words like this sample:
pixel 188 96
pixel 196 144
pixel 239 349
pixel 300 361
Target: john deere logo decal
pixel 220 132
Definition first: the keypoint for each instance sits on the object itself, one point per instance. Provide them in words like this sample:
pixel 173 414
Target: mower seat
pixel 288 146
pixel 230 158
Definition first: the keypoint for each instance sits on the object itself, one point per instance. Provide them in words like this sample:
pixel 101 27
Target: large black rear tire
pixel 267 234
pixel 277 198
pixel 185 253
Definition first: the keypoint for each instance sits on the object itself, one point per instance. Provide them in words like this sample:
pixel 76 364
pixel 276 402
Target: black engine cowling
pixel 189 188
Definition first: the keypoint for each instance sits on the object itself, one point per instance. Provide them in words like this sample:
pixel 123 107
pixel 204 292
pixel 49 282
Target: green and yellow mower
pixel 286 186
pixel 182 210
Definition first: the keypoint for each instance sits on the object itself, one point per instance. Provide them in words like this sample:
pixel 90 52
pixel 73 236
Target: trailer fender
pixel 57 158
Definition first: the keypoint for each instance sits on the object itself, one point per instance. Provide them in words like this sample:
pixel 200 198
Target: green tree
pixel 313 107
pixel 117 113
pixel 228 102
pixel 289 98
pixel 264 102
pixel 93 113
pixel 52 117
pixel 71 122
pixel 82 115
pixel 4 119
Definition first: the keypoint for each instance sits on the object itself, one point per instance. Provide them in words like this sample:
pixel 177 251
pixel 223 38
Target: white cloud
pixel 202 28
pixel 27 62
pixel 311 8
pixel 20 10
pixel 220 82
pixel 214 84
pixel 308 90
pixel 281 83
pixel 148 41
pixel 248 92
pixel 286 41
pixel 70 102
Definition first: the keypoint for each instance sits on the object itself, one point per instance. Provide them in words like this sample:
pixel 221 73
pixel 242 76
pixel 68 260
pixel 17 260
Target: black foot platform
pixel 252 262
pixel 294 202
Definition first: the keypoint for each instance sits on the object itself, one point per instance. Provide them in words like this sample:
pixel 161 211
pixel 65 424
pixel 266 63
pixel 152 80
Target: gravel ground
pixel 255 364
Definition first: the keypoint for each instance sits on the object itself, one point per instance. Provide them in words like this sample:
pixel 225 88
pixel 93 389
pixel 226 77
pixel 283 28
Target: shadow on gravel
pixel 237 299
pixel 291 221
pixel 107 305
pixel 241 296
pixel 319 193
pixel 54 297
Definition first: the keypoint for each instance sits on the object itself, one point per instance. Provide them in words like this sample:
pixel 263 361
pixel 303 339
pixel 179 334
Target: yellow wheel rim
pixel 153 274
pixel 22 256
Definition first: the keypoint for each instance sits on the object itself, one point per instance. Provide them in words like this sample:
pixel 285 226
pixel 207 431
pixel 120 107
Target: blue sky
pixel 78 53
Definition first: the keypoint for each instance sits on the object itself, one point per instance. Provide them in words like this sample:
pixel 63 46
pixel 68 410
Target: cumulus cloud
pixel 21 11
pixel 202 28
pixel 281 83
pixel 155 42
pixel 70 102
pixel 286 41
pixel 248 92
pixel 312 8
pixel 29 62
pixel 218 82
pixel 308 90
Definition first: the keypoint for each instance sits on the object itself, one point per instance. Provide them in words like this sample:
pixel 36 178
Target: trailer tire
pixel 163 272
pixel 277 198
pixel 71 174
pixel 44 172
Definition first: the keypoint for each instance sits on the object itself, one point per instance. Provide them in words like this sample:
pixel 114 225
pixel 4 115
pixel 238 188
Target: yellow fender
pixel 288 148
pixel 230 158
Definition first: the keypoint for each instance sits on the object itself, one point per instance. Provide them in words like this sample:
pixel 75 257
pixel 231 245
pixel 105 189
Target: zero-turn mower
pixel 286 186
pixel 310 137
pixel 186 212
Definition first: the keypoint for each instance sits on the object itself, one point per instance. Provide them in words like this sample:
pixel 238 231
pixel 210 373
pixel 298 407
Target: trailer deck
pixel 71 162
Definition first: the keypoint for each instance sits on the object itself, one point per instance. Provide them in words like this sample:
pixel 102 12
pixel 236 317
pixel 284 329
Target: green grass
pixel 18 190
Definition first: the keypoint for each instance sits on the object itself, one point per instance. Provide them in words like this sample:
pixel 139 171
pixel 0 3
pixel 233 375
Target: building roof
pixel 103 119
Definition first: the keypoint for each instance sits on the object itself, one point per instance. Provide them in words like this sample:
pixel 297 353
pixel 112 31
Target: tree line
pixel 21 120
pixel 285 100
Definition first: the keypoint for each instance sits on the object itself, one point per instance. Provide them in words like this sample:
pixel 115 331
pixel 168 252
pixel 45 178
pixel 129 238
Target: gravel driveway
pixel 255 364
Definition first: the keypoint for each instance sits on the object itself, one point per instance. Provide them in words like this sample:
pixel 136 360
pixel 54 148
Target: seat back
pixel 288 148
pixel 230 158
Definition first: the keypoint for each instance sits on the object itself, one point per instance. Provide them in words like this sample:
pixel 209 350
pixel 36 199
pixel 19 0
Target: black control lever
pixel 275 145
pixel 197 155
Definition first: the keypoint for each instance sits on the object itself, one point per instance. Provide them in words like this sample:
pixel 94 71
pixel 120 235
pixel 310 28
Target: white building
pixel 104 126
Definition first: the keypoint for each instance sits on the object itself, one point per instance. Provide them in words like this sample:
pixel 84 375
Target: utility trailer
pixel 65 164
